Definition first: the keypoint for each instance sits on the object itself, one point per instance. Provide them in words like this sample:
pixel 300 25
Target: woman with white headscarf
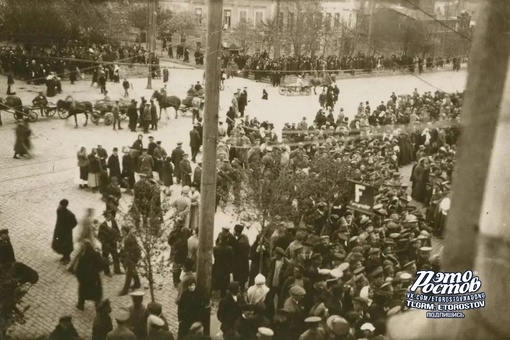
pixel 257 293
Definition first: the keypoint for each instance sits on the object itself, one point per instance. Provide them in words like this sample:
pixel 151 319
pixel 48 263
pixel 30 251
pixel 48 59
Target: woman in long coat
pixel 167 174
pixel 63 235
pixel 83 163
pixel 190 309
pixel 94 170
pixel 88 270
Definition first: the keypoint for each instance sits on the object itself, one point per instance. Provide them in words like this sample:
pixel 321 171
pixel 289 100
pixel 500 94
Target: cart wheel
pixel 62 113
pixel 32 116
pixel 282 91
pixel 94 117
pixel 108 118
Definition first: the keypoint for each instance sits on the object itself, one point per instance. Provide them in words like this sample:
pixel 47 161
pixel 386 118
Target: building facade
pixel 338 16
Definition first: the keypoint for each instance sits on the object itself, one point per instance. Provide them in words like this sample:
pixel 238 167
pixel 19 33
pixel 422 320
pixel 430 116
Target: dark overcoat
pixel 63 234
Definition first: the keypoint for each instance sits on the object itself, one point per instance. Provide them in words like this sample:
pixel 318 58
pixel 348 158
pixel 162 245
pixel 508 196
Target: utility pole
pixel 208 186
pixel 150 31
pixel 370 24
pixel 277 33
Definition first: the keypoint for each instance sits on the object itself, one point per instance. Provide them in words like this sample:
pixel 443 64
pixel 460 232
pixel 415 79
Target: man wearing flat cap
pixel 314 332
pixel 296 311
pixel 122 331
pixel 177 156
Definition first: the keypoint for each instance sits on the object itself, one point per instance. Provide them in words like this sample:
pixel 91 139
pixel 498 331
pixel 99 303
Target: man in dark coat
pixel 128 170
pixel 88 270
pixel 197 175
pixel 63 234
pixel 154 116
pixel 152 146
pixel 130 255
pixel 178 241
pixel 132 115
pixel 241 249
pixel 109 235
pixel 64 330
pixel 242 101
pixel 114 164
pixel 141 109
pixel 7 256
pixel 102 321
pixel 230 308
pixel 194 142
pixel 177 156
pixel 185 170
pixel 223 264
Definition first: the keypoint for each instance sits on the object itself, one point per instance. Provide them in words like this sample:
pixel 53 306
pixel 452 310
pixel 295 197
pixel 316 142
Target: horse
pixel 11 103
pixel 75 107
pixel 165 102
pixel 322 81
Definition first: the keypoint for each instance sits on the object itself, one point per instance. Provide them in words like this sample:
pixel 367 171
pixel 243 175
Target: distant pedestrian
pixel 94 170
pixel 177 156
pixel 165 75
pixel 264 94
pixel 109 236
pixel 63 234
pixel 154 116
pixel 132 115
pixel 147 118
pixel 116 115
pixel 83 163
pixel 10 85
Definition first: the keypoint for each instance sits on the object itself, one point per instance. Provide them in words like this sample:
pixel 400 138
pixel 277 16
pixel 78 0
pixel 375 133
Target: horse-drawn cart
pixel 14 105
pixel 49 110
pixel 295 90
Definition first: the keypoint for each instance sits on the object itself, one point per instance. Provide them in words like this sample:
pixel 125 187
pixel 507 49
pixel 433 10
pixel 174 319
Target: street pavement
pixel 31 188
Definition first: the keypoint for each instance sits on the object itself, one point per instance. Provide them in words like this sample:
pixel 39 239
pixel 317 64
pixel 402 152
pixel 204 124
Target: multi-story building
pixel 339 17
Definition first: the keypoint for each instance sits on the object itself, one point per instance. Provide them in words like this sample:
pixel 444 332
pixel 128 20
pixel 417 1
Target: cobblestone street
pixel 31 188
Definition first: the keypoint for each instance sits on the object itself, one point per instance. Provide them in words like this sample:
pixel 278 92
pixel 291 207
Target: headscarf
pixel 257 293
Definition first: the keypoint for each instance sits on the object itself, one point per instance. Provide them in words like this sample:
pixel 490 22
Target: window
pixel 227 21
pixel 291 21
pixel 328 21
pixel 337 20
pixel 280 21
pixel 243 15
pixel 259 17
pixel 198 15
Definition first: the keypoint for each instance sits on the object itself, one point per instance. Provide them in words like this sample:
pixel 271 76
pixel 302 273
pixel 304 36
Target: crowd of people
pixel 70 59
pixel 261 65
pixel 332 274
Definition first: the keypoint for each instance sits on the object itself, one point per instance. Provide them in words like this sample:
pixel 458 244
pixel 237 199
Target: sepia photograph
pixel 254 169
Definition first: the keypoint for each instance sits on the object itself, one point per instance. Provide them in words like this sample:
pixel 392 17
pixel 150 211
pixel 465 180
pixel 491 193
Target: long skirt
pixel 93 180
pixel 84 173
